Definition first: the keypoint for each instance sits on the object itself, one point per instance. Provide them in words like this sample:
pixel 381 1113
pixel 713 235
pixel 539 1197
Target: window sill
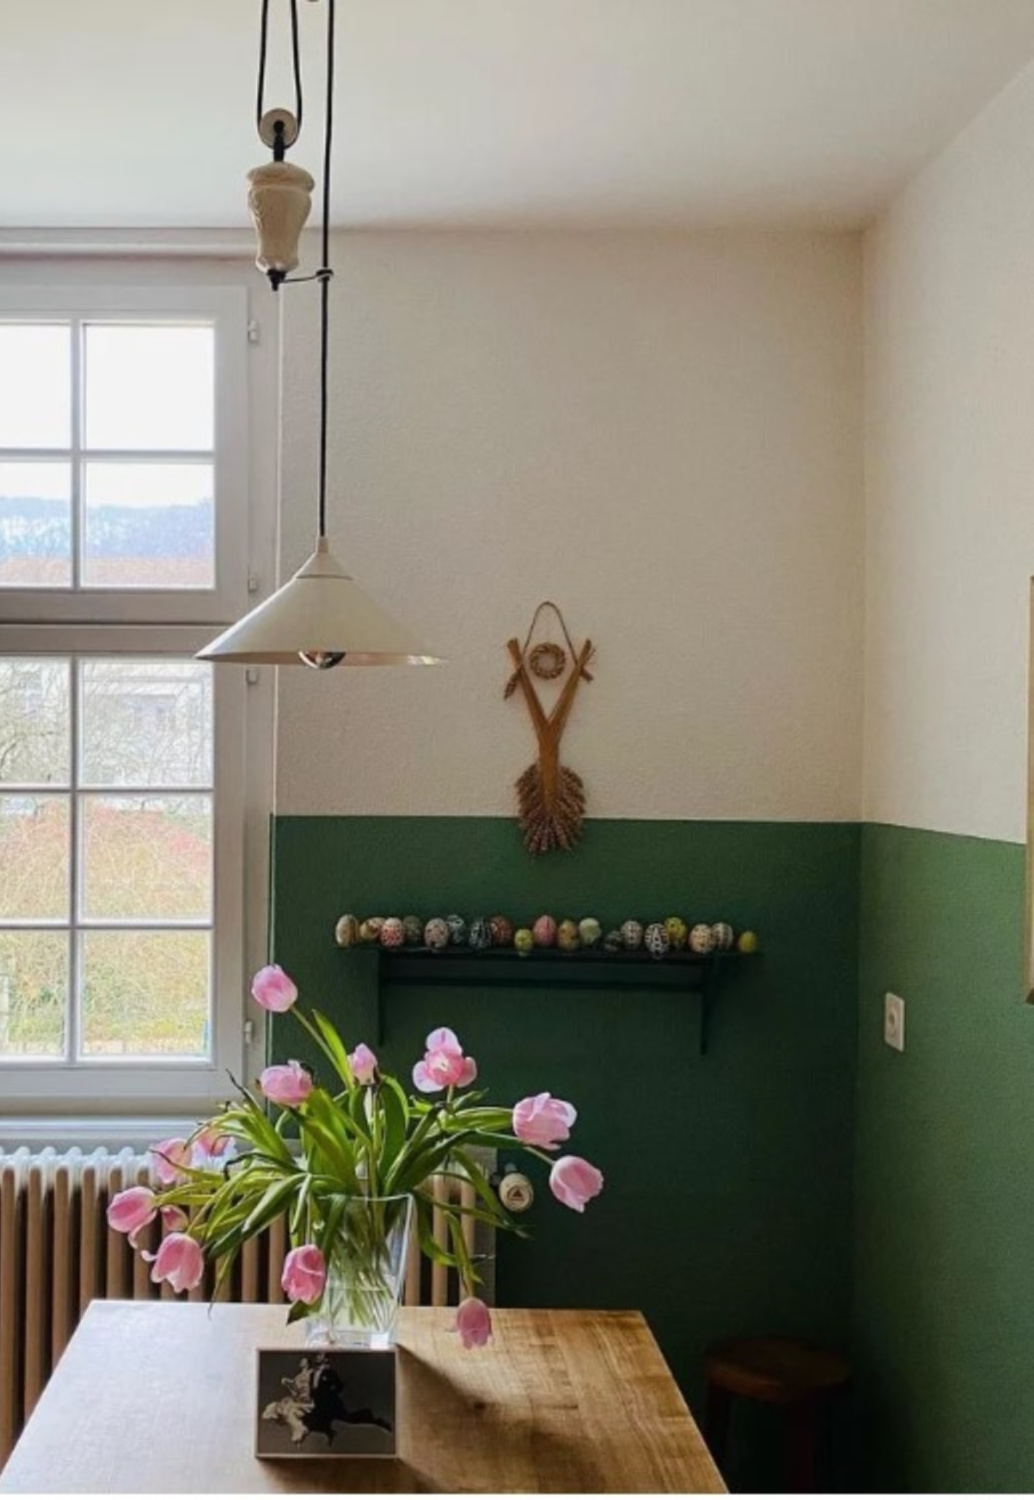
pixel 115 1132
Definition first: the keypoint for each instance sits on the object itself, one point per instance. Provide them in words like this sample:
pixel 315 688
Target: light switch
pixel 894 1022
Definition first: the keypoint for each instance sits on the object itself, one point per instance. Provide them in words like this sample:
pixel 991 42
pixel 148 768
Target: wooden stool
pixel 779 1372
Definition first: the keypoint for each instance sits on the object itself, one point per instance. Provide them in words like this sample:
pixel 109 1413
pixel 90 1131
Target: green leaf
pixel 330 1044
pixel 392 1102
pixel 428 1244
pixel 324 1124
pixel 269 1207
pixel 479 1181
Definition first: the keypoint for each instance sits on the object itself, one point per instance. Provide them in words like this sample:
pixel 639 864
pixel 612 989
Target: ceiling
pixel 135 113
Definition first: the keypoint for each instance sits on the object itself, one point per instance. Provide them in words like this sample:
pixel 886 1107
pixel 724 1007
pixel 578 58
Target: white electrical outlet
pixel 894 1022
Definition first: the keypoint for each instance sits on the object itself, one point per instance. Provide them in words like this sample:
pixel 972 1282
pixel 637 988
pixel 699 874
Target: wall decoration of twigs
pixel 550 797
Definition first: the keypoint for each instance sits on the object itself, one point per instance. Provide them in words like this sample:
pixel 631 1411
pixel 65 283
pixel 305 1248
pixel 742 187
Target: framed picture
pixel 319 1403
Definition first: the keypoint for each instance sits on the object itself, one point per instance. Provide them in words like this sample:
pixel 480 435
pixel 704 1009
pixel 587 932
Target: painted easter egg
pixel 590 932
pixel 392 933
pixel 370 930
pixel 346 931
pixel 544 932
pixel 723 936
pixel 657 940
pixel 436 934
pixel 613 942
pixel 632 935
pixel 567 936
pixel 502 931
pixel 524 940
pixel 701 938
pixel 747 942
pixel 457 929
pixel 677 932
pixel 480 935
pixel 413 931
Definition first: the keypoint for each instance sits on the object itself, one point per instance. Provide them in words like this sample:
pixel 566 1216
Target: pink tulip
pixel 286 1083
pixel 363 1064
pixel 473 1322
pixel 443 1065
pixel 543 1121
pixel 167 1157
pixel 305 1274
pixel 132 1210
pixel 180 1261
pixel 211 1146
pixel 173 1219
pixel 574 1181
pixel 273 990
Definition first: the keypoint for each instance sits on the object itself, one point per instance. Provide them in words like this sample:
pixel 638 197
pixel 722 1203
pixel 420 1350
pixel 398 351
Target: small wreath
pixel 547 660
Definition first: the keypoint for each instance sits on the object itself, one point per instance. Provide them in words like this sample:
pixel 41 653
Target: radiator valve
pixel 516 1193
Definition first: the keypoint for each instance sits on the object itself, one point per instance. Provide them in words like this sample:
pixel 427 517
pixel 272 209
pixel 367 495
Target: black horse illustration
pixel 315 1400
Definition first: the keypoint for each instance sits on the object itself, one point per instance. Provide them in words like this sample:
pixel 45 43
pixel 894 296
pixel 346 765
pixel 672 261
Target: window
pixel 123 548
pixel 123 455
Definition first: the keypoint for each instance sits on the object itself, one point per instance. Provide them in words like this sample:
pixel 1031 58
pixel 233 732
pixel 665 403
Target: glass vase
pixel 366 1273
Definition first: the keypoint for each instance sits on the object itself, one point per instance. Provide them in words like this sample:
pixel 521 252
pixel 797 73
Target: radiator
pixel 57 1253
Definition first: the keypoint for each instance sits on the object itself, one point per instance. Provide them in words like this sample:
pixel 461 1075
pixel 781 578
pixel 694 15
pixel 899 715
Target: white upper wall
pixel 950 477
pixel 662 433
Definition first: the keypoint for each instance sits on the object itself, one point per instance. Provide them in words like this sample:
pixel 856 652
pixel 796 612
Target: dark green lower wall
pixel 728 1200
pixel 944 1269
pixel 738 1184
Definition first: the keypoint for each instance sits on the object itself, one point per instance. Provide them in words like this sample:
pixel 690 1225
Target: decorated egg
pixel 677 932
pixel 723 936
pixel 632 935
pixel 413 931
pixel 436 934
pixel 544 932
pixel 392 933
pixel 502 931
pixel 747 942
pixel 701 938
pixel 480 935
pixel 590 932
pixel 613 942
pixel 370 930
pixel 457 929
pixel 524 941
pixel 346 931
pixel 657 940
pixel 567 936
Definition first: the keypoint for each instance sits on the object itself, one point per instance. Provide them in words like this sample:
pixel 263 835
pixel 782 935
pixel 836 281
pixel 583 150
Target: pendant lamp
pixel 320 618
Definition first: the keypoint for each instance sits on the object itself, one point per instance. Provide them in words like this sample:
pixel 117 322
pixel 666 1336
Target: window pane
pixel 33 993
pixel 35 745
pixel 36 382
pixel 35 525
pixel 145 994
pixel 146 723
pixel 34 855
pixel 149 386
pixel 147 857
pixel 148 526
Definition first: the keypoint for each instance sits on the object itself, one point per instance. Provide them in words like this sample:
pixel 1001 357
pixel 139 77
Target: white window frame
pixel 154 623
pixel 227 309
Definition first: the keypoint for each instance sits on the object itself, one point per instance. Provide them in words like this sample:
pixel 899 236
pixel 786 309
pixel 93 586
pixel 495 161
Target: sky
pixel 146 387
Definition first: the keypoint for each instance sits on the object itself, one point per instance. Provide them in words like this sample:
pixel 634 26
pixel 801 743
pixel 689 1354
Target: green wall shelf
pixel 504 968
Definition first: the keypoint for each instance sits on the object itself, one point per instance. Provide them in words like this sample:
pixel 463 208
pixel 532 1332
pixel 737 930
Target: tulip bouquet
pixel 350 1160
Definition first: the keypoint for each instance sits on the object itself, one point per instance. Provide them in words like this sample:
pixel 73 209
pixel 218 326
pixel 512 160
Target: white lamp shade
pixel 320 612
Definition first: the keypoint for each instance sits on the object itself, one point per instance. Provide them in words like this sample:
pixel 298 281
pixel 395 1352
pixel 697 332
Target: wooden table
pixel 157 1397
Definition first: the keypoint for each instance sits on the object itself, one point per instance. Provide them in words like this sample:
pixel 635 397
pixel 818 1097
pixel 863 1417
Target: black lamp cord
pixel 325 273
pixel 279 146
